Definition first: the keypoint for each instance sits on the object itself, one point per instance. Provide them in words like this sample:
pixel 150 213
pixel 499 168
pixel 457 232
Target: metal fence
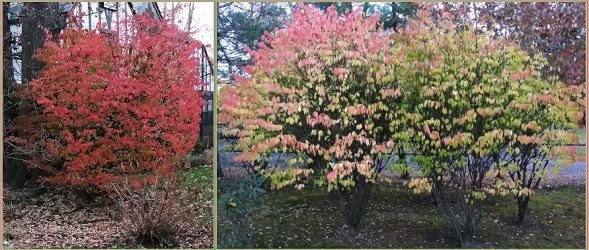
pixel 230 168
pixel 206 75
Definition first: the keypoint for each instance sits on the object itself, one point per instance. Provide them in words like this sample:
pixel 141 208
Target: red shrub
pixel 120 105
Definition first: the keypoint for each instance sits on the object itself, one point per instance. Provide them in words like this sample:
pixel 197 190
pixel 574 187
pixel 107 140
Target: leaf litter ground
pixel 52 218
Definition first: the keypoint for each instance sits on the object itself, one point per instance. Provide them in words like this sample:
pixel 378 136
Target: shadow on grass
pixel 397 218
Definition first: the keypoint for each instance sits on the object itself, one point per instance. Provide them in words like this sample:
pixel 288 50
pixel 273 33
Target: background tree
pixel 556 30
pixel 8 69
pixel 321 90
pixel 392 15
pixel 241 25
pixel 35 18
pixel 340 7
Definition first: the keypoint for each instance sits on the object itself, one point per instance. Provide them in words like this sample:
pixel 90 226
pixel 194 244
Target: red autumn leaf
pixel 109 107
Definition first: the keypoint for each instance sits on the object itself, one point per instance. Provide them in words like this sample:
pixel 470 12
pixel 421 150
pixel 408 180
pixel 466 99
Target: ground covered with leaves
pixel 397 218
pixel 57 218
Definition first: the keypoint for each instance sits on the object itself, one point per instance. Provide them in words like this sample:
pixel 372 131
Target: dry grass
pixel 155 216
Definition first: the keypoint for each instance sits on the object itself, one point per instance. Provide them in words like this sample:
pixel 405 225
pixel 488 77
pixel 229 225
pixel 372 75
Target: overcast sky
pixel 202 19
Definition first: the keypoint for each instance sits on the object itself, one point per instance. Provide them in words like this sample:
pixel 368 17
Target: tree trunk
pixel 467 233
pixel 461 220
pixel 434 198
pixel 190 16
pixel 16 174
pixel 10 101
pixel 34 17
pixel 220 174
pixel 352 203
pixel 13 172
pixel 32 38
pixel 7 46
pixel 522 208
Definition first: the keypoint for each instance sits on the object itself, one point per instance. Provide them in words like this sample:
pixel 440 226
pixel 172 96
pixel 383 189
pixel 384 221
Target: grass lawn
pixel 397 218
pixel 201 178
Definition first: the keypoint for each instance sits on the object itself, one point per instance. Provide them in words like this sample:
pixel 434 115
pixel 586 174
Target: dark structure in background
pixel 23 25
pixel 207 76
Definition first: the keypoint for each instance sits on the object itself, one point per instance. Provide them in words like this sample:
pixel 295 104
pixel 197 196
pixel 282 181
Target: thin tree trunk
pixel 15 172
pixel 7 45
pixel 8 70
pixel 462 221
pixel 32 38
pixel 352 203
pixel 190 15
pixel 220 174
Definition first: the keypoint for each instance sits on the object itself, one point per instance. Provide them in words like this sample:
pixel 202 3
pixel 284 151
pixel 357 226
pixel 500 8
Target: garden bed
pixel 53 218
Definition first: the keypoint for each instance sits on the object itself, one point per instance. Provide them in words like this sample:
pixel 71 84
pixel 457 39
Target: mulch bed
pixel 51 218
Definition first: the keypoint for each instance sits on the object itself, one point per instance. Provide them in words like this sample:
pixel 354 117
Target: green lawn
pixel 397 218
pixel 200 178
